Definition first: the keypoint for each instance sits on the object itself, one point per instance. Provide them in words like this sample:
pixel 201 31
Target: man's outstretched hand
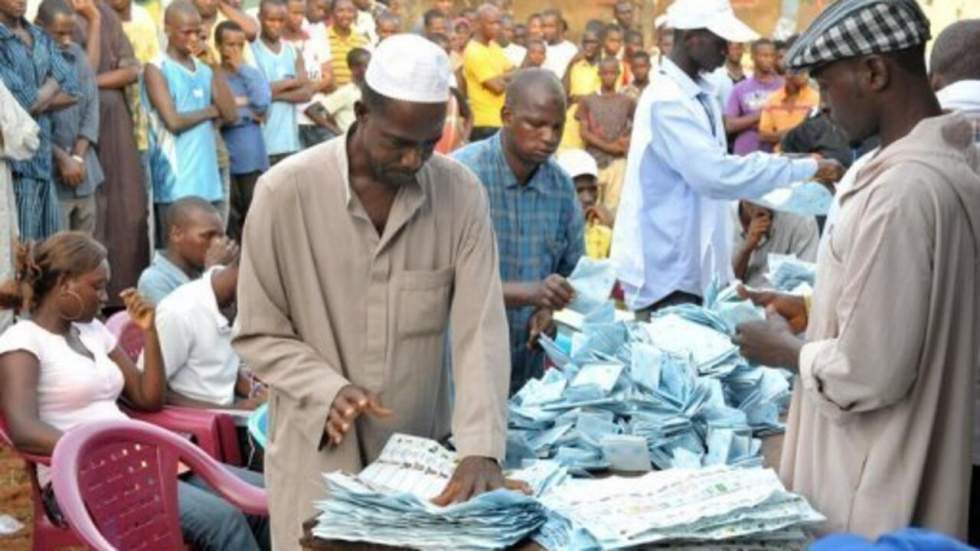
pixel 476 475
pixel 347 406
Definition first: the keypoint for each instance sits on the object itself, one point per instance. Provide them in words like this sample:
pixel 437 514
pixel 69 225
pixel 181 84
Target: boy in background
pixel 606 121
pixel 283 67
pixel 75 129
pixel 339 106
pixel 640 67
pixel 582 169
pixel 243 138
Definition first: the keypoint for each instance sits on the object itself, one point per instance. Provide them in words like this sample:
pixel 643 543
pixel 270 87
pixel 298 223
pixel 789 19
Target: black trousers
pixel 239 200
pixel 673 299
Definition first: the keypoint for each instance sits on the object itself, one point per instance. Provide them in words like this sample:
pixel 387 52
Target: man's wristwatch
pixel 78 158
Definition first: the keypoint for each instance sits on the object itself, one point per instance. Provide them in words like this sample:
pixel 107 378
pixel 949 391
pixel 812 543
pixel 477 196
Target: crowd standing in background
pixel 163 135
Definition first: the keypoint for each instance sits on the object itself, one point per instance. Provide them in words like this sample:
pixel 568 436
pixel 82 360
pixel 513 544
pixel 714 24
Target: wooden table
pixel 310 543
pixel 772 448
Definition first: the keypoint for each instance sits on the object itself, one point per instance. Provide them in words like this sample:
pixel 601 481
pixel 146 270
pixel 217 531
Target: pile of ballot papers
pixel 748 506
pixel 627 396
pixel 790 274
pixel 389 502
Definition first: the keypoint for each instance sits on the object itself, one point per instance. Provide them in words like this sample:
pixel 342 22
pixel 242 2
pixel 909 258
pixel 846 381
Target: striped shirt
pixel 539 229
pixel 340 46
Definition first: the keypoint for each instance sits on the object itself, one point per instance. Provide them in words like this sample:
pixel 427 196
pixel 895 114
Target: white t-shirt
pixel 72 388
pixel 315 51
pixel 195 339
pixel 515 54
pixel 557 57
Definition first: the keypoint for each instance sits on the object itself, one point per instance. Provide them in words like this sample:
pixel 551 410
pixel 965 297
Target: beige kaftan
pixel 324 301
pixel 879 429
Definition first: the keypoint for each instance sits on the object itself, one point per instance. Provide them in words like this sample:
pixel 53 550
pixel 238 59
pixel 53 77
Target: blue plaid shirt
pixel 540 231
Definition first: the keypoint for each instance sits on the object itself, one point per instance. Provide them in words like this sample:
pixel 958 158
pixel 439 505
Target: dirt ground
pixel 15 500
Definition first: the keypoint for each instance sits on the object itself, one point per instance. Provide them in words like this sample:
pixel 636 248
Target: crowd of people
pixel 259 190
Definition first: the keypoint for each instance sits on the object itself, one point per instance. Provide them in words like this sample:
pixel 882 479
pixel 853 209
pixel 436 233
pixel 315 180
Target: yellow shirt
pixel 571 136
pixel 780 116
pixel 340 46
pixel 142 32
pixel 598 240
pixel 480 64
pixel 583 79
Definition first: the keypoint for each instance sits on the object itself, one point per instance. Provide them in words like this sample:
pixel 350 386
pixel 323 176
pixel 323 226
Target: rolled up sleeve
pixel 882 309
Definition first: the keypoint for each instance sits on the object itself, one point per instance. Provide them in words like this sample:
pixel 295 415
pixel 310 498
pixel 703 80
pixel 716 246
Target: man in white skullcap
pixel 879 431
pixel 357 256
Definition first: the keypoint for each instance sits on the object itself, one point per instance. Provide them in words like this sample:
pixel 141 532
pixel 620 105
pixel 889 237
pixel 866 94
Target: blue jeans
pixel 210 523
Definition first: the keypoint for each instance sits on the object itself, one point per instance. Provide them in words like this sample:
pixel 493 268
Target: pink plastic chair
pixel 215 433
pixel 46 535
pixel 116 484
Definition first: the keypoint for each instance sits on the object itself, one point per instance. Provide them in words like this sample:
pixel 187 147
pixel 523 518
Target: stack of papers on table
pixel 700 505
pixel 389 503
pixel 673 393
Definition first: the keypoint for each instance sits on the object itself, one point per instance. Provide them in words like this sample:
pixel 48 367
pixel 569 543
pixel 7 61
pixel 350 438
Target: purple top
pixel 747 98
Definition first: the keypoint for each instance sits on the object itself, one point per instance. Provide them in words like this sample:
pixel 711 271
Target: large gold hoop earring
pixel 81 306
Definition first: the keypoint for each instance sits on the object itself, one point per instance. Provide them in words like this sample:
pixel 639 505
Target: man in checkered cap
pixel 879 431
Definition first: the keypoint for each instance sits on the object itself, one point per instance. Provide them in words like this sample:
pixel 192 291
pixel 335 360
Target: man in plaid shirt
pixel 536 216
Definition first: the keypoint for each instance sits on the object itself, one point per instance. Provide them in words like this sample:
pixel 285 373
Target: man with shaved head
pixel 487 71
pixel 195 241
pixel 537 219
pixel 954 68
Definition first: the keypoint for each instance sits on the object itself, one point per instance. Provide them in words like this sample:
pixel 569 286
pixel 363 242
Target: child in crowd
pixel 283 67
pixel 536 52
pixel 339 106
pixel 75 129
pixel 606 121
pixel 612 46
pixel 183 97
pixel 246 147
pixel 343 37
pixel 639 63
pixel 634 43
pixel 582 77
pixel 311 43
pixel 388 24
pixel 582 169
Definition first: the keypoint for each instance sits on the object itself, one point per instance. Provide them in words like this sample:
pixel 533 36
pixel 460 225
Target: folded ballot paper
pixel 720 504
pixel 389 503
pixel 803 198
pixel 788 273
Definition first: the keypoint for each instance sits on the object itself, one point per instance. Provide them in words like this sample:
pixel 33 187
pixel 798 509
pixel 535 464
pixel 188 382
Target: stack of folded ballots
pixel 696 509
pixel 389 503
pixel 671 393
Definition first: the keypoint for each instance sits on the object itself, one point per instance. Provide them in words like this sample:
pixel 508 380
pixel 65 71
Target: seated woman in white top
pixel 62 367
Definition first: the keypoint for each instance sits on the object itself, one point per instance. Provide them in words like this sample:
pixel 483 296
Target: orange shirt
pixel 781 113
